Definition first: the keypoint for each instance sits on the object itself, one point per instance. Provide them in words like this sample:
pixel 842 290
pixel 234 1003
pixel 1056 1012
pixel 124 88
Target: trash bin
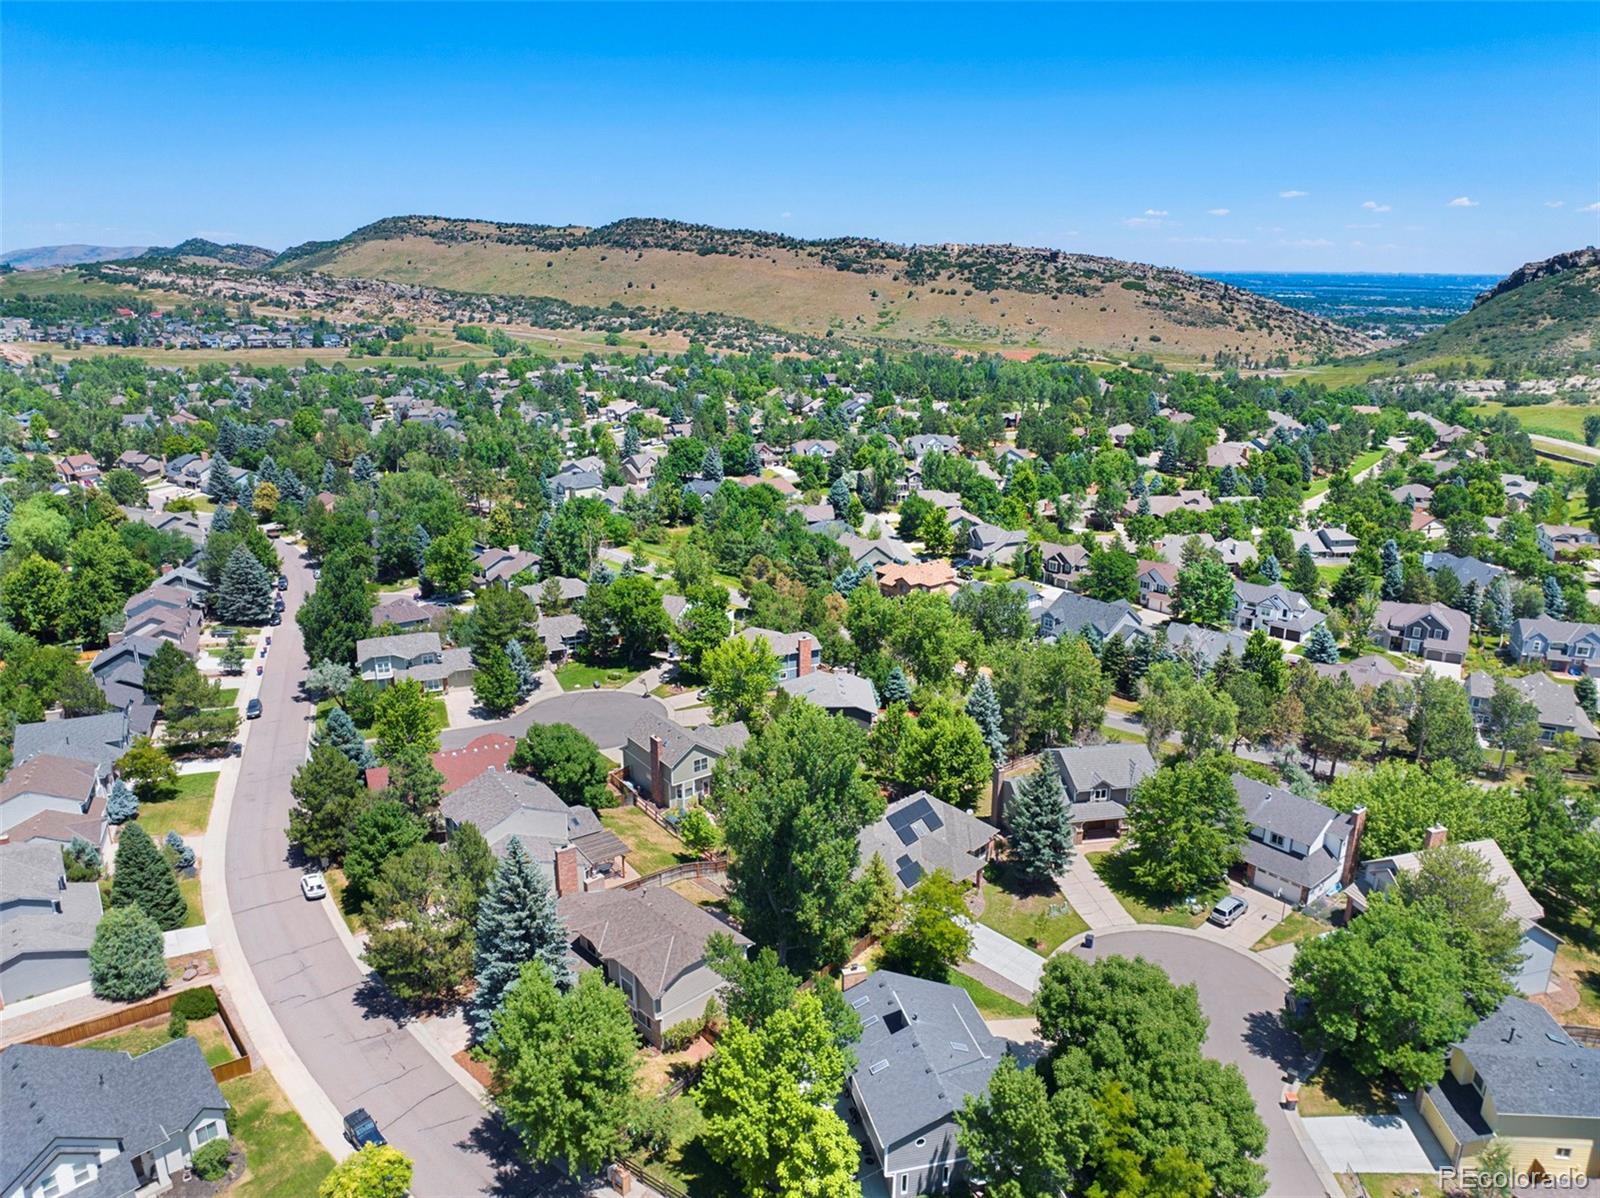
pixel 1088 940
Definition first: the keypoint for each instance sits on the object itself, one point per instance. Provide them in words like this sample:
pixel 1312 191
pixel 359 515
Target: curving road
pixel 336 1020
pixel 1241 998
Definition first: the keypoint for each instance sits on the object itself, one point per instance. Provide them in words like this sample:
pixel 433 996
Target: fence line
pixel 661 1186
pixel 706 868
pixel 90 1029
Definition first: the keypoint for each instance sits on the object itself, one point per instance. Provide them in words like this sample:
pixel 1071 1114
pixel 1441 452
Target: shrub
pixel 199 1003
pixel 177 1025
pixel 210 1161
pixel 126 961
pixel 680 1035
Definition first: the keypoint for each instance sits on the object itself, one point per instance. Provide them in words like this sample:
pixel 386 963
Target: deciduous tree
pixel 566 761
pixel 1186 825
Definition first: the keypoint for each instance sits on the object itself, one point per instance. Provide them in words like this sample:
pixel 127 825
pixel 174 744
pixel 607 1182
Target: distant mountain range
pixel 48 257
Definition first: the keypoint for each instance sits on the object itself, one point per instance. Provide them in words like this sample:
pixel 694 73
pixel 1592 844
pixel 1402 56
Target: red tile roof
pixel 491 751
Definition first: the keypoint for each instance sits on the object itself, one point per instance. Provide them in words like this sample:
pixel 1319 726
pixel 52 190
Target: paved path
pixel 1377 1143
pixel 1241 998
pixel 337 1022
pixel 1016 963
pixel 1317 500
pixel 604 716
pixel 1092 898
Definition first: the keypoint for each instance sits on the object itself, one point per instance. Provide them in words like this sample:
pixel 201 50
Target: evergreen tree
pixel 1168 462
pixel 180 854
pixel 711 464
pixel 342 734
pixel 219 482
pixel 1228 481
pixel 896 687
pixel 630 440
pixel 81 860
pixel 127 959
pixel 1040 829
pixel 1586 696
pixel 1394 581
pixel 329 795
pixel 517 923
pixel 143 879
pixel 222 519
pixel 1270 570
pixel 527 677
pixel 1321 647
pixel 329 476
pixel 1472 603
pixel 420 540
pixel 839 496
pixel 1258 486
pixel 984 708
pixel 244 595
pixel 362 469
pixel 1555 603
pixel 494 684
pixel 123 804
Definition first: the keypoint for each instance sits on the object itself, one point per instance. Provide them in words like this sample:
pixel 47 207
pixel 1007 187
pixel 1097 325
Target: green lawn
pixel 1335 1089
pixel 991 1004
pixel 1146 907
pixel 1041 919
pixel 1402 1185
pixel 230 695
pixel 1357 465
pixel 581 676
pixel 1294 928
pixel 142 1037
pixel 187 813
pixel 188 887
pixel 283 1157
pixel 1577 960
pixel 1561 420
pixel 650 846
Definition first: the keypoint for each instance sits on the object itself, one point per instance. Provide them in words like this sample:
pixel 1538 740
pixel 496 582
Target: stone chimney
pixel 1352 852
pixel 568 880
pixel 805 647
pixel 658 779
pixel 1434 837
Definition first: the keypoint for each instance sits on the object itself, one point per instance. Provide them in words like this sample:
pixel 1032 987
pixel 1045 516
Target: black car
pixel 277 604
pixel 283 582
pixel 360 1130
pixel 277 618
pixel 252 709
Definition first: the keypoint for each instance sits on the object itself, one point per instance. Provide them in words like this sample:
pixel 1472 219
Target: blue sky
pixel 1291 136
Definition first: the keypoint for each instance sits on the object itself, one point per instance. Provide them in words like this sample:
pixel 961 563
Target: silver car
pixel 1227 911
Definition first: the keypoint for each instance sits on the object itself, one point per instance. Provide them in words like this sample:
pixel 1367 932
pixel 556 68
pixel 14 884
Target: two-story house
pixel 50 798
pixel 1561 540
pixel 1430 631
pixel 838 692
pixel 1284 614
pixel 671 765
pixel 1518 1079
pixel 46 922
pixel 920 834
pixel 1328 543
pixel 1098 781
pixel 1555 702
pixel 1468 571
pixel 1073 614
pixel 1559 646
pixel 991 545
pixel 651 942
pixel 935 577
pixel 569 844
pixel 99 739
pixel 1157 581
pixel 1062 563
pixel 382 660
pixel 924 1049
pixel 1297 849
pixel 797 652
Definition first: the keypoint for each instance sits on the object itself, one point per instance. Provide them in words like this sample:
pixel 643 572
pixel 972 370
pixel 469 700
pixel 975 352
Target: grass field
pixel 1040 920
pixel 1561 420
pixel 581 676
pixel 1294 928
pixel 1148 908
pixel 188 813
pixel 1361 462
pixel 991 1004
pixel 283 1158
pixel 651 847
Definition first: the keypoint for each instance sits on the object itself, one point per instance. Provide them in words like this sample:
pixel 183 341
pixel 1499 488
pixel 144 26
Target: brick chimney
pixel 806 646
pixel 1352 852
pixel 1435 836
pixel 567 879
pixel 658 780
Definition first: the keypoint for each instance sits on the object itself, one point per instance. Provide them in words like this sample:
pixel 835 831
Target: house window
pixel 701 764
pixel 1098 794
pixel 905 1182
pixel 206 1131
pixel 1563 1154
pixel 81 1172
pixel 48 1188
pixel 1276 840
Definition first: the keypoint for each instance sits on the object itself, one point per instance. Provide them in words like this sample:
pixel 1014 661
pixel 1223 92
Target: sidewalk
pixel 1091 898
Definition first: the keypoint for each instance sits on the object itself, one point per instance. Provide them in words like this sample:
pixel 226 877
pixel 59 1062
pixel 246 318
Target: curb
pixel 1281 974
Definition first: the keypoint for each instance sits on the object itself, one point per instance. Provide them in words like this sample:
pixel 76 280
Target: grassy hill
pixel 200 252
pixel 1011 298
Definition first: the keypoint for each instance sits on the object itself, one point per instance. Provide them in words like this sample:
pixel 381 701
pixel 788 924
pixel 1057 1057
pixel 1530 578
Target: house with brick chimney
pixel 568 843
pixel 1297 849
pixel 797 652
pixel 671 765
pixel 651 943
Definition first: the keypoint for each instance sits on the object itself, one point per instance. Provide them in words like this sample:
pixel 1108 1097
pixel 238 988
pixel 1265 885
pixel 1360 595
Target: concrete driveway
pixel 1000 954
pixel 604 716
pixel 1241 997
pixel 1377 1143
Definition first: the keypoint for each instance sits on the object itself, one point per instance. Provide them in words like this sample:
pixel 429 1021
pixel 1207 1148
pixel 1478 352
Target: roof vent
pixel 878 1067
pixel 958 1046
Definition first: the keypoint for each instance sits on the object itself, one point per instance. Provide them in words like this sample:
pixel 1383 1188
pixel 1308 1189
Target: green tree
pixel 698 833
pixel 931 638
pixel 1113 574
pixel 403 719
pixel 881 910
pixel 232 656
pixel 244 594
pixel 1204 593
pixel 1186 825
pixel 384 829
pixel 33 597
pixel 794 802
pixel 1388 994
pixel 930 938
pixel 78 694
pixel 162 671
pixel 338 612
pixel 1457 884
pixel 420 939
pixel 494 683
pixel 768 1094
pixel 758 984
pixel 1175 700
pixel 740 674
pixel 517 924
pixel 1403 800
pixel 142 878
pixel 566 761
pixel 1510 722
pixel 563 1066
pixel 703 626
pixel 943 753
pixel 127 959
pixel 377 1171
pixel 1441 728
pixel 1336 721
pixel 449 565
pixel 1040 830
pixel 329 796
pixel 1321 647
pixel 1011 1135
pixel 984 708
pixel 341 732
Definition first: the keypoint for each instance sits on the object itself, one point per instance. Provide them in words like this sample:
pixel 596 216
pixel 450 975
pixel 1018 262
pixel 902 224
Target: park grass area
pixel 1564 421
pixel 1336 1089
pixel 1357 464
pixel 1145 907
pixel 650 846
pixel 282 1158
pixel 1294 928
pixel 991 1004
pixel 187 813
pixel 581 676
pixel 1039 918
pixel 140 1038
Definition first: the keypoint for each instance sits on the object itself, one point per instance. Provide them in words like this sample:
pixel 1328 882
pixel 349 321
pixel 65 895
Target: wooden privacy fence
pixel 716 867
pixel 112 1021
pixel 659 1184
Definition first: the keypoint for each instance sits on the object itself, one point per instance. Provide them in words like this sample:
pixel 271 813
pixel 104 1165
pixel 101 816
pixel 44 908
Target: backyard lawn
pixel 140 1038
pixel 650 846
pixel 1041 919
pixel 1147 908
pixel 1335 1089
pixel 284 1160
pixel 1577 963
pixel 1293 928
pixel 187 813
pixel 581 676
pixel 1402 1185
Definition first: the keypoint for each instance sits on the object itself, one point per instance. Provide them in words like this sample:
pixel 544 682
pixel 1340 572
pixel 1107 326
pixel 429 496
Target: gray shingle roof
pixel 1283 811
pixel 97 738
pixel 655 934
pixel 834 690
pixel 1118 766
pixel 919 834
pixel 677 741
pixel 33 871
pixel 409 645
pixel 1530 1066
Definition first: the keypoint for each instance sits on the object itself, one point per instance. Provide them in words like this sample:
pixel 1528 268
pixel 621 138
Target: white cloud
pixel 1555 203
pixel 1158 212
pixel 1462 202
pixel 1292 194
pixel 785 215
pixel 1307 243
pixel 1374 206
pixel 1595 207
pixel 1216 212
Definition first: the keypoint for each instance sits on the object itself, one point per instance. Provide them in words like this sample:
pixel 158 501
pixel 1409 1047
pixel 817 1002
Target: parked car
pixel 252 709
pixel 283 582
pixel 1227 911
pixel 360 1129
pixel 277 618
pixel 313 885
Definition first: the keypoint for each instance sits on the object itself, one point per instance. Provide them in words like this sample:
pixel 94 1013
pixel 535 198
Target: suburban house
pixel 106 1123
pixel 1157 581
pixel 1233 552
pixel 1519 490
pixel 146 466
pixel 651 943
pixel 576 484
pixel 1556 702
pixel 815 448
pixel 1469 571
pixel 838 692
pixel 1203 646
pixel 1430 631
pixel 50 798
pixel 163 613
pixel 403 614
pixel 79 469
pixel 1098 780
pixel 1559 646
pixel 118 670
pixel 1326 542
pixel 46 922
pixel 1538 946
pixel 934 577
pixel 419 655
pixel 1284 614
pixel 100 739
pixel 920 834
pixel 561 636
pixel 1372 670
pixel 1227 453
pixel 991 545
pixel 919 445
pixel 1165 505
pixel 1412 495
pixel 923 1050
pixel 193 526
pixel 1519 1079
pixel 505 804
pixel 670 765
pixel 1560 539
pixel 1297 849
pixel 502 565
pixel 457 767
pixel 1073 613
pixel 797 652
pixel 1062 563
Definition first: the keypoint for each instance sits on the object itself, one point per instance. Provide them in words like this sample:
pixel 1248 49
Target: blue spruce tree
pixel 517 924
